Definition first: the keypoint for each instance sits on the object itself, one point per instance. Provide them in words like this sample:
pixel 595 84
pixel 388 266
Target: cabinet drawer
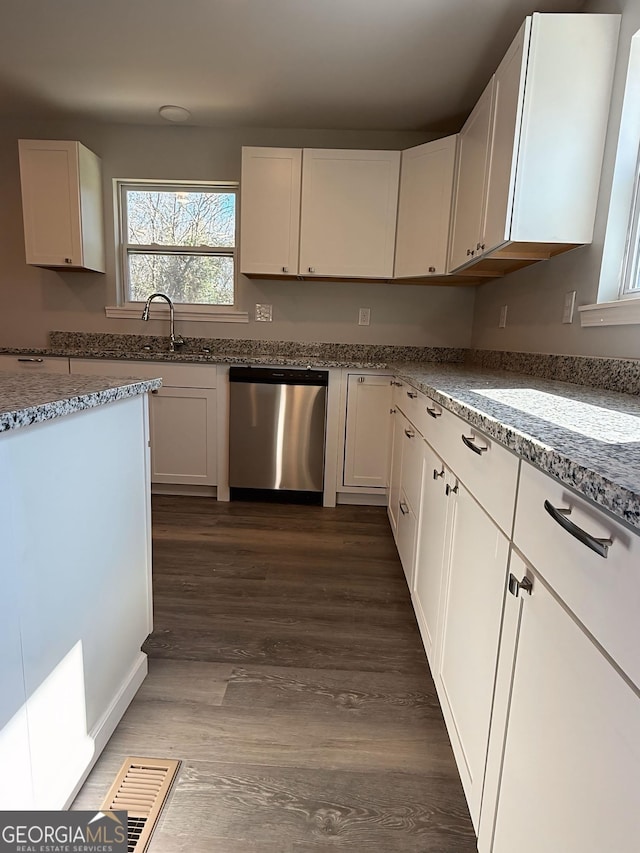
pixel 173 375
pixel 34 363
pixel 603 593
pixel 488 470
pixel 410 402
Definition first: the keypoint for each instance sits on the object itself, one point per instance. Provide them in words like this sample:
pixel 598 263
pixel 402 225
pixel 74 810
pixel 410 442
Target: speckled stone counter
pixel 586 438
pixel 26 400
pixel 223 351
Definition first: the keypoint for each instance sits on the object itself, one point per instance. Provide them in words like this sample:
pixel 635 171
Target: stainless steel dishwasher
pixel 277 419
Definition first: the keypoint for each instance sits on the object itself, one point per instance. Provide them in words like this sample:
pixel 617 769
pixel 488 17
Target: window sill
pixel 190 313
pixel 623 312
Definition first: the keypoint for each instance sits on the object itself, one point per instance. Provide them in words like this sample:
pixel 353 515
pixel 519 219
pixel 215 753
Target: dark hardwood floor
pixel 287 672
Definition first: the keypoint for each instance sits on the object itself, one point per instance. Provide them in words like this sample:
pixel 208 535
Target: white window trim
pixel 617 305
pixel 128 310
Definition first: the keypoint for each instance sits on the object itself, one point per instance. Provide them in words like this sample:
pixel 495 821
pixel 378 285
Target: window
pixel 178 239
pixel 630 278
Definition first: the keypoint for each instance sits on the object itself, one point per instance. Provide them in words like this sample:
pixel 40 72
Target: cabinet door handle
pixel 409 433
pixel 451 490
pixel 154 391
pixel 404 509
pixel 312 269
pixel 469 252
pixel 32 360
pixel 396 384
pixel 412 394
pixel 285 269
pixel 392 411
pixel 470 443
pixel 516 586
pixel 437 474
pixel 432 269
pixel 361 379
pixel 600 546
pixel 433 412
pixel 68 260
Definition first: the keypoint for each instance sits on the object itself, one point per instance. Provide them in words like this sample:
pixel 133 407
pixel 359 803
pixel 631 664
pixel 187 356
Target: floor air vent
pixel 141 788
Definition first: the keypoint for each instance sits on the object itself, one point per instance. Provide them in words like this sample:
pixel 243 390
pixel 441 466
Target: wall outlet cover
pixel 569 306
pixel 264 313
pixel 364 316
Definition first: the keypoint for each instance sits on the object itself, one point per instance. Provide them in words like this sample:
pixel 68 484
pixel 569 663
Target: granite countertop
pixel 587 438
pixel 26 400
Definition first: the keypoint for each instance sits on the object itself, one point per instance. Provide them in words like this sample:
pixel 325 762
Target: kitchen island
pixel 75 575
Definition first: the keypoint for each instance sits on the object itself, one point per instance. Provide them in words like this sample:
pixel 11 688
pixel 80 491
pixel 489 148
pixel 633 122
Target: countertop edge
pixel 66 405
pixel 621 502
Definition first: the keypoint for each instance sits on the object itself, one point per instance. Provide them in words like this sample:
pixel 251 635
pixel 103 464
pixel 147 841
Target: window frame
pixel 129 308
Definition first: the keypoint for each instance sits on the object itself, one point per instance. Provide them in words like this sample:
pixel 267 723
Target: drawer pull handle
pixel 451 490
pixel 516 586
pixel 437 474
pixel 433 412
pixel 470 443
pixel 412 394
pixel 600 546
pixel 409 433
pixel 32 360
pixel 396 384
pixel 404 509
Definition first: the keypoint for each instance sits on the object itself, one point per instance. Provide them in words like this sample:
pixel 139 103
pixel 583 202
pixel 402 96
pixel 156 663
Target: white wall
pixel 35 301
pixel 535 295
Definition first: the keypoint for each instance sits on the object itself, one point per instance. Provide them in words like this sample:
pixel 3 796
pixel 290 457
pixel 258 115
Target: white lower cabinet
pixel 183 428
pixel 432 535
pixel 564 767
pixel 366 451
pixel 472 599
pixel 183 417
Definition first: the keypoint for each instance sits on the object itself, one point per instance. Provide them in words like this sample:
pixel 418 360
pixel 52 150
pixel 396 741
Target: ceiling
pixel 360 64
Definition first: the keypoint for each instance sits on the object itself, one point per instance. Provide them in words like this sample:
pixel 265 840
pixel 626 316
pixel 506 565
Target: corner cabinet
pixel 349 205
pixel 270 211
pixel 527 183
pixel 62 205
pixel 424 208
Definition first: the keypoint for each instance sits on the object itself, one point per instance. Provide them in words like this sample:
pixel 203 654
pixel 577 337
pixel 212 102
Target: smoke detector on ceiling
pixel 171 112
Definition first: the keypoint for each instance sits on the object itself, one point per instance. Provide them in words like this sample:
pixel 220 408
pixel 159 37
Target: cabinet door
pixel 432 535
pixel 349 205
pixel 183 436
pixel 50 179
pixel 366 455
pixel 470 182
pixel 424 208
pixel 505 137
pixel 472 608
pixel 270 210
pixel 406 538
pixel 398 424
pixel 572 748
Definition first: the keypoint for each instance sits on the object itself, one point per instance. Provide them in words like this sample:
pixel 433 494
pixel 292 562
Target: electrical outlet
pixel 264 313
pixel 364 316
pixel 569 306
pixel 502 322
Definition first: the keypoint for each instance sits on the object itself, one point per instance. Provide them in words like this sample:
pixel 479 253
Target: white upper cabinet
pixel 424 208
pixel 62 204
pixel 470 185
pixel 349 205
pixel 547 129
pixel 270 211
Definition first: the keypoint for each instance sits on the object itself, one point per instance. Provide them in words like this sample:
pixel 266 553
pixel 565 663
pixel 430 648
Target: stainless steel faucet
pixel 174 340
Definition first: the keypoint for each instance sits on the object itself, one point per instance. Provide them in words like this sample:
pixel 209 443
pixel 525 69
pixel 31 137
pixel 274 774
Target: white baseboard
pixel 361 499
pixel 105 727
pixel 183 490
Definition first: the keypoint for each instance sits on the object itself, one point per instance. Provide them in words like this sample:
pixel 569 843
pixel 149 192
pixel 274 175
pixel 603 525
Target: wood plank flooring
pixel 287 672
